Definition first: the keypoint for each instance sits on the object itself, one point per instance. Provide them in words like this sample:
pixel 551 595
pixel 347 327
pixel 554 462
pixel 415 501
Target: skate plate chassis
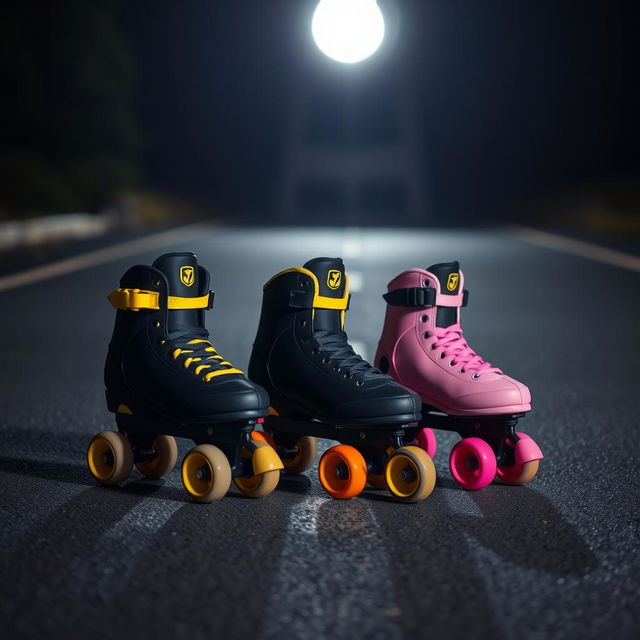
pixel 230 437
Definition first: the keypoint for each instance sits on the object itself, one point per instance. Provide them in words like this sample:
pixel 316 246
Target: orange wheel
pixel 263 436
pixel 342 471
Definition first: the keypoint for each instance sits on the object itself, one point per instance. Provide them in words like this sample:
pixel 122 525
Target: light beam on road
pixel 348 31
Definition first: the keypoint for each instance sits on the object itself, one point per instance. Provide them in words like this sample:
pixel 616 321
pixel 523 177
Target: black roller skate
pixel 320 388
pixel 164 378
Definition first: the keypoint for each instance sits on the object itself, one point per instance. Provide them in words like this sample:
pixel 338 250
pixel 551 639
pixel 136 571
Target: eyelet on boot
pixel 337 369
pixel 302 323
pixel 441 356
pixel 424 319
pixel 326 360
pixel 475 376
pixel 156 324
pixel 452 363
pixel 426 335
pixel 359 383
pixel 315 351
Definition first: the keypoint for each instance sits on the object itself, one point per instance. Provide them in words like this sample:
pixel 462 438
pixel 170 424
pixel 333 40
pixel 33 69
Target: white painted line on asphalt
pixel 101 256
pixel 334 574
pixel 576 247
pixel 360 348
pixel 356 281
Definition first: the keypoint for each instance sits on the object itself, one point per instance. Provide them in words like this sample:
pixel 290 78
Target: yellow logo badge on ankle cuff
pixel 187 275
pixel 334 278
pixel 452 281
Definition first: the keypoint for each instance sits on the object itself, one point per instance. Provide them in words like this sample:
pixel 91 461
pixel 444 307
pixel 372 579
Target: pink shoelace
pixel 455 346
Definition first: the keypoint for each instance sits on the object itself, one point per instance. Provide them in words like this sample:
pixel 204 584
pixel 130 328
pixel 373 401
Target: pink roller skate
pixel 422 347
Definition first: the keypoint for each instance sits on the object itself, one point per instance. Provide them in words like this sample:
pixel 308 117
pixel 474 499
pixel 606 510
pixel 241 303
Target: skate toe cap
pixel 394 402
pixel 237 395
pixel 504 395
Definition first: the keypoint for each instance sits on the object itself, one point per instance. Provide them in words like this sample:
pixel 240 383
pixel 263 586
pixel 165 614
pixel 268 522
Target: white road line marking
pixel 356 281
pixel 101 256
pixel 577 247
pixel 333 567
pixel 360 348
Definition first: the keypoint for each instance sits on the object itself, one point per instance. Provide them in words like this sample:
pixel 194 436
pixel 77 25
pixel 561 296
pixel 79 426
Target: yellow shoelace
pixel 209 348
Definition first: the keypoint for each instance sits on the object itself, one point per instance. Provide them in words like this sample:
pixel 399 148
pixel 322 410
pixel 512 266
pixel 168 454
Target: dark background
pixel 520 103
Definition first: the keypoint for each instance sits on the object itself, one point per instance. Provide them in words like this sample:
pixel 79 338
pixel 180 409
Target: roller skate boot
pixel 319 387
pixel 422 346
pixel 164 378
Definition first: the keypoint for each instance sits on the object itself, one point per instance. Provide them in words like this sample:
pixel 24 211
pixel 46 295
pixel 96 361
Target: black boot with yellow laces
pixel 164 378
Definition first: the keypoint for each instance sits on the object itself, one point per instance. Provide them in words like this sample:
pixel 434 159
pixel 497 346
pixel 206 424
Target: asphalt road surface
pixel 556 559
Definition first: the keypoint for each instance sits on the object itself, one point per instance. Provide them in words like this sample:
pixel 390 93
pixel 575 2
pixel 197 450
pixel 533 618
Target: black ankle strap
pixel 418 297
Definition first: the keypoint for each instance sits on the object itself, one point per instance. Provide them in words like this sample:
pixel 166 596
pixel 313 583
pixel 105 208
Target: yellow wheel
pixel 259 484
pixel 377 481
pixel 307 451
pixel 110 457
pixel 206 473
pixel 410 474
pixel 165 459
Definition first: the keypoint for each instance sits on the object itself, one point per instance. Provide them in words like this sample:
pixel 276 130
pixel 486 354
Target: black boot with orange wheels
pixel 164 379
pixel 320 388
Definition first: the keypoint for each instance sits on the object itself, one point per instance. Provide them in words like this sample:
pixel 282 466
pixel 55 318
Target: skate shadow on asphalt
pixel 441 543
pixel 78 474
pixel 538 536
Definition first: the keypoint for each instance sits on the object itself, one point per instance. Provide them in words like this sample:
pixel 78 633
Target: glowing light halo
pixel 348 31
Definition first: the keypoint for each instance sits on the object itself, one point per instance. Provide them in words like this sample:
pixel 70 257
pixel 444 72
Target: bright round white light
pixel 348 30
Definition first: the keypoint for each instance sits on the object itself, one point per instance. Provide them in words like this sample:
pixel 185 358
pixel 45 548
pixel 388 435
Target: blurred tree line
pixel 66 110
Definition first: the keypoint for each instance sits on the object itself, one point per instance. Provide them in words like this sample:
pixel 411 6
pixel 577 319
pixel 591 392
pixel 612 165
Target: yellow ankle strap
pixel 136 299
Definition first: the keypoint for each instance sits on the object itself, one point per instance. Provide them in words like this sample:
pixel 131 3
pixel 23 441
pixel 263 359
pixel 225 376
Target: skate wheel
pixel 110 457
pixel 518 473
pixel 377 481
pixel 206 473
pixel 259 484
pixel 426 439
pixel 342 471
pixel 307 450
pixel 410 474
pixel 472 463
pixel 165 459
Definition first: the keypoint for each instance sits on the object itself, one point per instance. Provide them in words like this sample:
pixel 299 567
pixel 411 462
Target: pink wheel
pixel 426 440
pixel 472 463
pixel 525 471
